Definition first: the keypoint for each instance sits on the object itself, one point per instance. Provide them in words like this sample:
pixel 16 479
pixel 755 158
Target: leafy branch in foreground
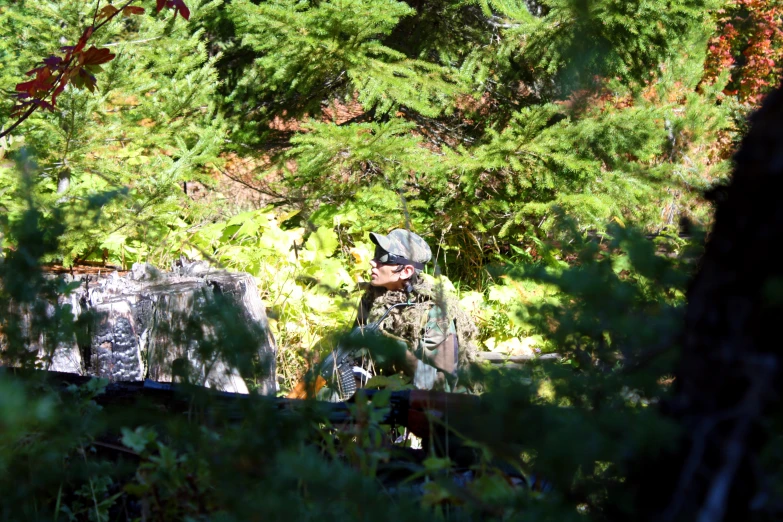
pixel 78 64
pixel 149 128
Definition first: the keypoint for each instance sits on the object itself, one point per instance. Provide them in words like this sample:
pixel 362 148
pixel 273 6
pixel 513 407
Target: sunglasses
pixel 383 257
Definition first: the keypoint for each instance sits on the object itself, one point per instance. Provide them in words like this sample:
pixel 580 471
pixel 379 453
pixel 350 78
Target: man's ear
pixel 407 272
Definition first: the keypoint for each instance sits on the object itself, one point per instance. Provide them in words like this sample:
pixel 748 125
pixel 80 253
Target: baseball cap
pixel 404 243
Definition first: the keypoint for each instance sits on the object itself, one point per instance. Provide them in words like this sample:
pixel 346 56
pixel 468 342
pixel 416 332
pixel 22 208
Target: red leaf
pixel 180 7
pixel 83 40
pixel 95 56
pixel 53 62
pixel 19 108
pixel 160 5
pixel 29 88
pixel 44 104
pixel 83 78
pixel 133 10
pixel 42 82
pixel 36 70
pixel 70 50
pixel 60 88
pixel 183 9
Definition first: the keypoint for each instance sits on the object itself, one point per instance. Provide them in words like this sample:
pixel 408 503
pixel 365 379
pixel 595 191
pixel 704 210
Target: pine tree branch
pixel 497 22
pixel 435 130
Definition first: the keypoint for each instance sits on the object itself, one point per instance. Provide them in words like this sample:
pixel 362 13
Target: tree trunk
pixel 206 325
pixel 728 377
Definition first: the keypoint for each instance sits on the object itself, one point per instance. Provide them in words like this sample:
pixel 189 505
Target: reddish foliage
pixel 107 11
pixel 750 43
pixel 178 6
pixel 133 10
pixel 95 56
pixel 55 72
pixel 77 66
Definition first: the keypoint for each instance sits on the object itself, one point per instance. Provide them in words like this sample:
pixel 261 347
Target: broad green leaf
pixel 115 241
pixel 323 242
pixel 503 294
pixel 248 228
pixel 318 302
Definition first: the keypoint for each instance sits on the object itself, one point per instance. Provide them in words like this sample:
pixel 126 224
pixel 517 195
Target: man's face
pixel 388 276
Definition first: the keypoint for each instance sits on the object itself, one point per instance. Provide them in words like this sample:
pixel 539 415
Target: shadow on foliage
pixel 567 427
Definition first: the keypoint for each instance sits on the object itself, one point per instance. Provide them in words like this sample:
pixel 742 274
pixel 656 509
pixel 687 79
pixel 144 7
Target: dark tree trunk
pixel 728 377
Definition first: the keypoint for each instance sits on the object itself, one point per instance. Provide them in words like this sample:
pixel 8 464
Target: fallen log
pixel 419 411
pixel 499 358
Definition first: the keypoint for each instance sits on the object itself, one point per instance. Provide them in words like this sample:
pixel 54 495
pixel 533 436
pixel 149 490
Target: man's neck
pixel 396 286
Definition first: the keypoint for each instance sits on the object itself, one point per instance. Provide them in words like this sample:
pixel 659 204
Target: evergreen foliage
pixel 305 52
pixel 612 38
pixel 173 468
pixel 149 127
pixel 481 116
pixel 535 145
pixel 593 108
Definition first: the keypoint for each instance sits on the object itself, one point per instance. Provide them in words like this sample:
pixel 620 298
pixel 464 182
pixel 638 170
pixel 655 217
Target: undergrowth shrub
pixel 309 279
pixel 570 424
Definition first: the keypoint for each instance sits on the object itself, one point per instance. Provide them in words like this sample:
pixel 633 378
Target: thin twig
pixel 114 44
pixel 18 122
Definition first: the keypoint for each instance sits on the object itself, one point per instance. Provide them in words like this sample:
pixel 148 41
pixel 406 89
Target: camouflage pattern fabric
pixel 436 331
pixel 403 243
pixel 437 352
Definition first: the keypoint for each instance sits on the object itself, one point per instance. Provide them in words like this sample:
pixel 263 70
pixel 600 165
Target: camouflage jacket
pixel 437 333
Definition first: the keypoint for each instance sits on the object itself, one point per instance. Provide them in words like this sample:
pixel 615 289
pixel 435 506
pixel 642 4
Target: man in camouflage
pixel 437 333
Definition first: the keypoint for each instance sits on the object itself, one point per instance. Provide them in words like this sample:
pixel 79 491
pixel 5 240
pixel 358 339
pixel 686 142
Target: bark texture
pixel 209 325
pixel 728 378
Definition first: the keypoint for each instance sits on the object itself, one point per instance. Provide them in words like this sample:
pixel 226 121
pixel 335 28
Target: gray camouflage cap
pixel 404 243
